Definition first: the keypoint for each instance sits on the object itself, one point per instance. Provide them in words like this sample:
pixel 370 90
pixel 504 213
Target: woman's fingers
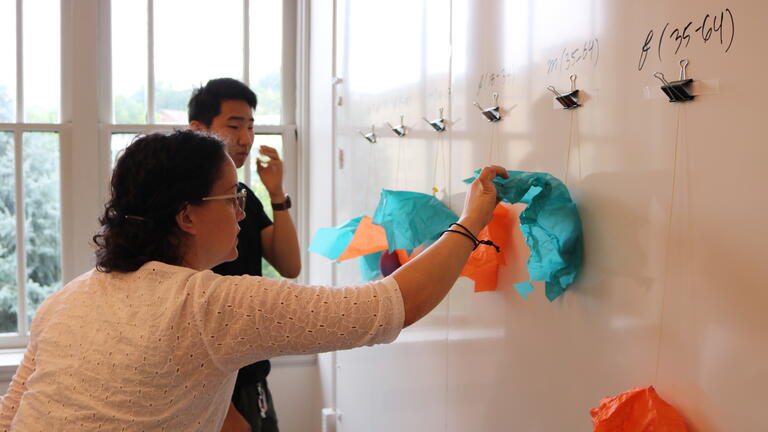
pixel 489 173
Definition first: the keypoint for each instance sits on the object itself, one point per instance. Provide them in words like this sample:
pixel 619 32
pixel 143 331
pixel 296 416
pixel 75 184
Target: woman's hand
pixel 425 280
pixel 481 199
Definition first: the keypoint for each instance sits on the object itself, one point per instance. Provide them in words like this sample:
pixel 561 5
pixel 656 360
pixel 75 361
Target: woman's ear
pixel 186 221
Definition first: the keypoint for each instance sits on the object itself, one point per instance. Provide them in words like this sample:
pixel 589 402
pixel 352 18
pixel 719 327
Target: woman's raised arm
pixel 426 279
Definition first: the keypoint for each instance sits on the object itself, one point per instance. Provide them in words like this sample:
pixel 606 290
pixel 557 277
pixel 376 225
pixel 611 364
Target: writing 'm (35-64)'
pixel 720 27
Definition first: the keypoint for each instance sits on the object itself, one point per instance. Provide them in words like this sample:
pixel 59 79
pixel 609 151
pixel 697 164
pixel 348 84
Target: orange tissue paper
pixel 638 410
pixel 368 238
pixel 483 265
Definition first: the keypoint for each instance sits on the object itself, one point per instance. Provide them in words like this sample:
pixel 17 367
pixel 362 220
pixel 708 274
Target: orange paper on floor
pixel 368 238
pixel 483 264
pixel 638 410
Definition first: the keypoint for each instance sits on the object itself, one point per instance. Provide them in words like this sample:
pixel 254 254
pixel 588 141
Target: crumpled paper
pixel 551 226
pixel 638 410
pixel 357 237
pixel 411 218
pixel 483 265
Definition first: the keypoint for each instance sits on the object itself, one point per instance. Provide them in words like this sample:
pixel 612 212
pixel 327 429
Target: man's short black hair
pixel 205 103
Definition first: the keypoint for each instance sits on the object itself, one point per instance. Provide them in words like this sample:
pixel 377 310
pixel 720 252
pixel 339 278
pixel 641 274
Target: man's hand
pixel 271 173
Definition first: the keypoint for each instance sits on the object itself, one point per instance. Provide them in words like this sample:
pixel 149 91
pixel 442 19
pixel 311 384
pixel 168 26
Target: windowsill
pixel 9 362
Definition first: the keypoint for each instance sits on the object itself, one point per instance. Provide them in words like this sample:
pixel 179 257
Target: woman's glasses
pixel 238 199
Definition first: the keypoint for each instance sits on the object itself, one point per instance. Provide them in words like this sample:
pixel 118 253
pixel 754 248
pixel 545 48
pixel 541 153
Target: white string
pixel 369 172
pixel 397 166
pixel 439 155
pixel 667 246
pixel 570 143
pixel 492 144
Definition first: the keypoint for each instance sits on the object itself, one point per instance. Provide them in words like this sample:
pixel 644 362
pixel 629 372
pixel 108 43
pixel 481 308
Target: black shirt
pixel 248 262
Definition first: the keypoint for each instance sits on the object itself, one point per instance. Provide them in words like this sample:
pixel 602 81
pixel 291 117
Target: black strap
pixel 471 238
pixel 475 239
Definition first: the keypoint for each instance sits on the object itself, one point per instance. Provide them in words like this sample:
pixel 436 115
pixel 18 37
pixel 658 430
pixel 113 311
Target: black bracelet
pixel 475 239
pixel 471 238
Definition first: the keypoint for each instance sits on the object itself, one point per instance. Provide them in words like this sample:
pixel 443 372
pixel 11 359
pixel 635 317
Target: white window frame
pixel 287 129
pixel 18 129
pixel 85 130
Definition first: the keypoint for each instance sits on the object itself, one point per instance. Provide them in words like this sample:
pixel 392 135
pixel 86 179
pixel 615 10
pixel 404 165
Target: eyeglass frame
pixel 238 198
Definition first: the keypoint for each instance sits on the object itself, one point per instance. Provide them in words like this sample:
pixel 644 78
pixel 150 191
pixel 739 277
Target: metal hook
pixel 661 78
pixel 493 113
pixel 683 66
pixel 371 136
pixel 573 82
pixel 673 92
pixel 437 124
pixel 554 90
pixel 399 130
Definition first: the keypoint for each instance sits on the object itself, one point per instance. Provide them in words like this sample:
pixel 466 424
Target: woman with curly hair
pixel 151 339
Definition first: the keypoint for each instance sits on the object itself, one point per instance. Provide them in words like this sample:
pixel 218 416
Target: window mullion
pixel 19 63
pixel 247 73
pixel 21 261
pixel 150 62
pixel 246 43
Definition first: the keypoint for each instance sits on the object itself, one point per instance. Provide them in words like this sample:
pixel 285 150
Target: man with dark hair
pixel 224 107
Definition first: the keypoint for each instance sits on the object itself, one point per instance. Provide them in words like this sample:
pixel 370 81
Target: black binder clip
pixel 399 130
pixel 677 91
pixel 370 136
pixel 437 124
pixel 492 114
pixel 568 100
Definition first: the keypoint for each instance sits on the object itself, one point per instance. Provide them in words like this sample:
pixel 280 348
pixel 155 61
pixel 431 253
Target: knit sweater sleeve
pixel 243 319
pixel 18 386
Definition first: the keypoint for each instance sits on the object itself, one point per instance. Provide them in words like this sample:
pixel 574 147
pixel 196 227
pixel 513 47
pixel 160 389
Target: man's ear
pixel 197 126
pixel 186 221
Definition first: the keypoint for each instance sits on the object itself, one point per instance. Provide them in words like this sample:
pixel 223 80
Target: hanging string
pixel 576 136
pixel 668 242
pixel 369 172
pixel 397 166
pixel 570 144
pixel 439 156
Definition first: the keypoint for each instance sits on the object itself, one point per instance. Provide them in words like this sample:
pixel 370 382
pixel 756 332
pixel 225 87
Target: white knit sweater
pixel 158 349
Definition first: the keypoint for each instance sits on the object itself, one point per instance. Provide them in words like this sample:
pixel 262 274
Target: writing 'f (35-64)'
pixel 719 28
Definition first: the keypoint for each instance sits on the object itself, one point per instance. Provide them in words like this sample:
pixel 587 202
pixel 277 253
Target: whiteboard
pixel 673 292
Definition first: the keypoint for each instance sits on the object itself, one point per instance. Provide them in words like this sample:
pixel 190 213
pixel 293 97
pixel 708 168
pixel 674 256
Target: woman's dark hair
pixel 205 103
pixel 153 180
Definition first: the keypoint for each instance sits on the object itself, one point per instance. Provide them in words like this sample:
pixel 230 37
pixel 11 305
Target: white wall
pixel 673 289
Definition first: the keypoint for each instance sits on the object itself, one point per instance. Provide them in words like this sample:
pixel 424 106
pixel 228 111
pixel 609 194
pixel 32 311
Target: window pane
pixel 266 58
pixel 8 54
pixel 129 61
pixel 42 223
pixel 275 141
pixel 42 60
pixel 195 40
pixel 8 290
pixel 118 143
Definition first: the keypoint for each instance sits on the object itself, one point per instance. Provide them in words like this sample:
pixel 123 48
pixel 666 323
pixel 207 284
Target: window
pixel 162 49
pixel 30 181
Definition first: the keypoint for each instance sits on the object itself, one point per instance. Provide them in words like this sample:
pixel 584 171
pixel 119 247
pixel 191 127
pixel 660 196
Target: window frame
pixel 85 129
pixel 18 128
pixel 287 127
